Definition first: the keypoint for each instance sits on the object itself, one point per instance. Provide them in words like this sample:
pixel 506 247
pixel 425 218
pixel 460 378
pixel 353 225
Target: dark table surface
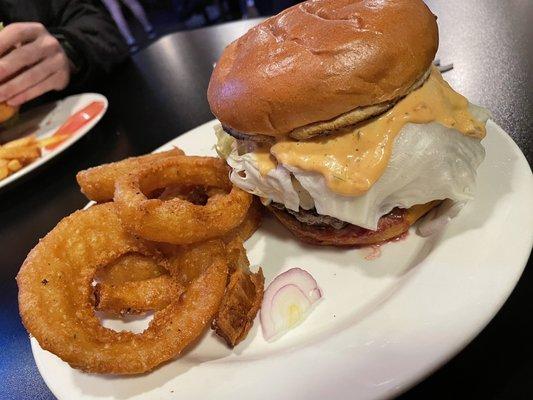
pixel 161 94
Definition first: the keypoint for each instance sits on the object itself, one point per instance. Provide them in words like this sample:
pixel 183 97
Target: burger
pixel 334 115
pixel 6 112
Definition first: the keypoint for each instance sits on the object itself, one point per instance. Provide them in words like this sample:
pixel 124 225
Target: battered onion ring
pixel 130 268
pixel 185 263
pixel 241 302
pixel 98 183
pixel 55 298
pixel 178 221
pixel 251 223
pixel 244 293
pixel 135 297
pixel 136 283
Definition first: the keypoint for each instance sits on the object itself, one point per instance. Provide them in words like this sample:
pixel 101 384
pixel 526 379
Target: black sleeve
pixel 89 37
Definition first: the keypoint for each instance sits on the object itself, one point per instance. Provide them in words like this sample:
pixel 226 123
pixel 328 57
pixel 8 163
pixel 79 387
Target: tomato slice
pixel 75 122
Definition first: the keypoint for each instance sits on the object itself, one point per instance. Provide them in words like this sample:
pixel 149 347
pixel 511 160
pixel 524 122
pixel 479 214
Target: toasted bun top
pixel 319 59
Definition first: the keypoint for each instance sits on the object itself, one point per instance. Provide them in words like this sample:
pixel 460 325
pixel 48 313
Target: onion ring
pixel 184 263
pixel 55 290
pixel 98 183
pixel 136 297
pixel 244 293
pixel 239 306
pixel 178 221
pixel 130 268
pixel 241 302
pixel 251 223
pixel 136 283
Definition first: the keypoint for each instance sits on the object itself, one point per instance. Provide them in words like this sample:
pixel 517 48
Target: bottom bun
pixel 390 226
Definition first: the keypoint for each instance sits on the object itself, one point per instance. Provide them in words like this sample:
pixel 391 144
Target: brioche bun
pixel 321 59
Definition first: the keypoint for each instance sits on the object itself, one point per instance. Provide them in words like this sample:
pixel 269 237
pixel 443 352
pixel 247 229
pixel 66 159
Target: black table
pixel 161 93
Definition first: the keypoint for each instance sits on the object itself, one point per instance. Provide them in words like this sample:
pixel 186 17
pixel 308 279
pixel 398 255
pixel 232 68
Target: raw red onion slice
pixel 287 302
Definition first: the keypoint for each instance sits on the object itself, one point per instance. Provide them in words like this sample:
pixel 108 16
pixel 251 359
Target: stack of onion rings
pixel 153 290
pixel 180 254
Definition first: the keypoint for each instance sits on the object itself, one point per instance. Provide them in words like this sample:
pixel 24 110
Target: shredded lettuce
pixel 224 142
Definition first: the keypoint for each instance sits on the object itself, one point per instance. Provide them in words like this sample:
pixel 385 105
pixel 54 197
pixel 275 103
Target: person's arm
pixel 89 37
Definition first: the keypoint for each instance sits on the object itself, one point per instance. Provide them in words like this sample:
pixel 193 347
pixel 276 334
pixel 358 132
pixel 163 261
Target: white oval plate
pixel 43 121
pixel 383 324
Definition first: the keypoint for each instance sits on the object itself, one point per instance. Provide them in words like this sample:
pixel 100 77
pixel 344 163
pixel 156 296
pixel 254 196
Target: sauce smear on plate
pixel 75 122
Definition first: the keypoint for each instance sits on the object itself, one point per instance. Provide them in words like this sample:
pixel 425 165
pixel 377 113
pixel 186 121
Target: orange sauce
pixel 75 122
pixel 265 161
pixel 354 158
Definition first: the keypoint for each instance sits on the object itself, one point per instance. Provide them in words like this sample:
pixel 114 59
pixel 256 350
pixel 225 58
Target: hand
pixel 32 62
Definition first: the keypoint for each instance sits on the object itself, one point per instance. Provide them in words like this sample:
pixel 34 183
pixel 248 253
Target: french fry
pixel 4 172
pixel 51 140
pixel 17 153
pixel 14 165
pixel 24 154
pixel 30 140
